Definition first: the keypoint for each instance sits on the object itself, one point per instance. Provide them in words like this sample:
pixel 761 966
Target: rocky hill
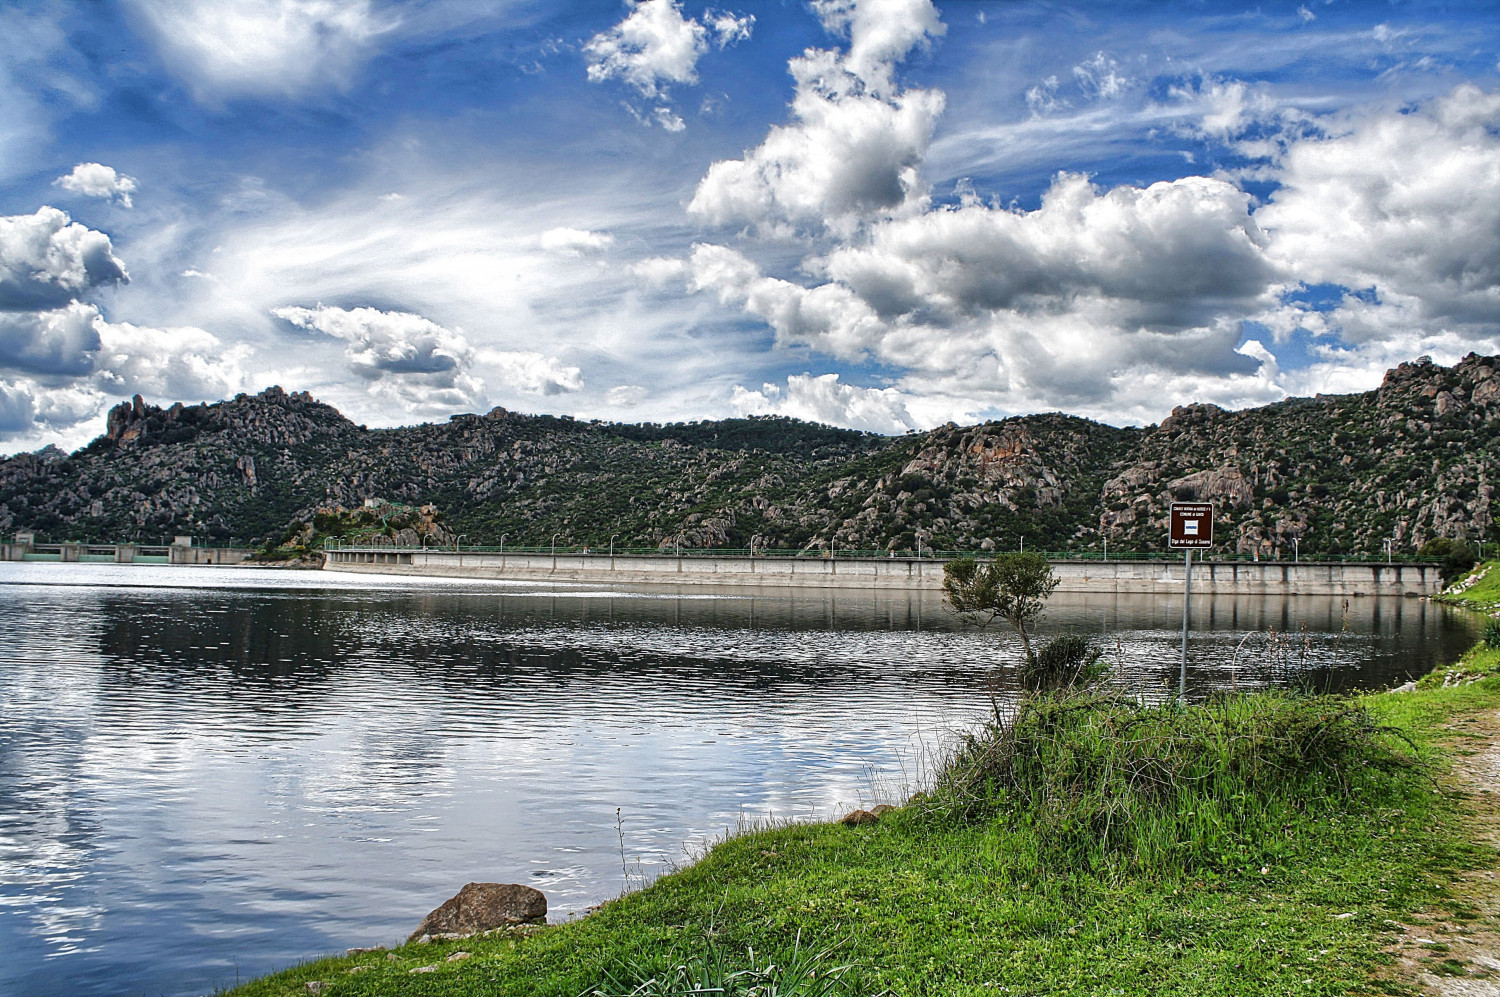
pixel 1413 460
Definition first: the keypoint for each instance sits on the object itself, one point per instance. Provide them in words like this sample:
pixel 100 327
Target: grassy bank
pixel 1478 590
pixel 1265 844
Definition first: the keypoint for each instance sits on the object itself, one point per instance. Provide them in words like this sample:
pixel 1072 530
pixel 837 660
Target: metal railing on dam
pixel 699 567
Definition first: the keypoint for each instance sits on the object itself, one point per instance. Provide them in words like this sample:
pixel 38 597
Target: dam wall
pixel 1351 578
pixel 130 553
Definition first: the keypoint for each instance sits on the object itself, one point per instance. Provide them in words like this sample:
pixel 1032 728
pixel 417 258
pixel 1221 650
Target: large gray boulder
pixel 483 907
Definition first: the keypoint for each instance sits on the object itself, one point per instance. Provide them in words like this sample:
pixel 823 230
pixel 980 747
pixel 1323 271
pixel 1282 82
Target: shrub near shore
pixel 1263 844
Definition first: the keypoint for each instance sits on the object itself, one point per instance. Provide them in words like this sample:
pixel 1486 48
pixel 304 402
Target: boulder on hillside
pixel 1183 416
pixel 483 907
pixel 1224 483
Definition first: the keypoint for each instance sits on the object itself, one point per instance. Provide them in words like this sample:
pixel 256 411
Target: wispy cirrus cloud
pixel 234 48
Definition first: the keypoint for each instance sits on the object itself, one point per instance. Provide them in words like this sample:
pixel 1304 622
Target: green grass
pixel 1479 589
pixel 1274 866
pixel 1479 662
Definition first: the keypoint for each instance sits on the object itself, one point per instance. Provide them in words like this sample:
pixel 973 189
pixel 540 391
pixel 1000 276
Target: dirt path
pixel 1455 950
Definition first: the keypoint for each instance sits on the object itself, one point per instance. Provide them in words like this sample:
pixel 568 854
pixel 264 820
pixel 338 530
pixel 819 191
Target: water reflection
pixel 199 781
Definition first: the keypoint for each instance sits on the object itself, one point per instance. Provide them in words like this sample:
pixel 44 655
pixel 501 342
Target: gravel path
pixel 1456 952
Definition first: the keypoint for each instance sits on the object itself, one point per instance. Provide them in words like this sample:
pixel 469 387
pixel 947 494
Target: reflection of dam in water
pixel 1232 576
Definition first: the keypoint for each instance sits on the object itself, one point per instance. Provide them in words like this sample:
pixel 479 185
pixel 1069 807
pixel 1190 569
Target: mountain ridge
pixel 1414 459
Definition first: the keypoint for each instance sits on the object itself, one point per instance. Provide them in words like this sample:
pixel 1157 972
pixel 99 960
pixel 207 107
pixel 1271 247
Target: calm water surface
pixel 207 774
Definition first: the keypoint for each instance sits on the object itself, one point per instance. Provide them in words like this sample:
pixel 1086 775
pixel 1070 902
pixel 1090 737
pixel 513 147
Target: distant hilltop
pixel 1415 459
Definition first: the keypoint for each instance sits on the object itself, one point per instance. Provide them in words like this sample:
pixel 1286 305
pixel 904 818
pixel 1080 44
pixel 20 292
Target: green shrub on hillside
pixel 1456 556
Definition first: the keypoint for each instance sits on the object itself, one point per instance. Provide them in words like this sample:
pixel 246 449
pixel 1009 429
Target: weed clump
pixel 1064 662
pixel 1110 785
pixel 1492 634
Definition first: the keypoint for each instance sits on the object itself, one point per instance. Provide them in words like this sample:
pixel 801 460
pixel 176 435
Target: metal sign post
pixel 1190 527
pixel 1187 603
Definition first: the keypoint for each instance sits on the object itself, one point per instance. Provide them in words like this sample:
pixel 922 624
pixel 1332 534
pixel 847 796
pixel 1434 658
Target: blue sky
pixel 878 213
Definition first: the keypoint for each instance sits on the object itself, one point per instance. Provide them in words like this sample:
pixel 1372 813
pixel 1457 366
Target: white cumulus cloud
pixel 1042 98
pixel 729 28
pixel 28 408
pixel 407 358
pixel 533 373
pixel 829 317
pixel 881 33
pixel 1223 110
pixel 1067 296
pixel 1100 78
pixel 47 260
pixel 853 148
pixel 656 46
pixel 1405 204
pixel 1167 256
pixel 59 342
pixel 823 398
pixel 98 180
pixel 1107 300
pixel 669 119
pixel 62 366
pixel 173 364
pixel 626 395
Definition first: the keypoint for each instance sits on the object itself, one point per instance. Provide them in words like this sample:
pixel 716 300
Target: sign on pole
pixel 1190 527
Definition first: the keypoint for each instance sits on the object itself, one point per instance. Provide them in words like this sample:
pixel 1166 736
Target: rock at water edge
pixel 484 906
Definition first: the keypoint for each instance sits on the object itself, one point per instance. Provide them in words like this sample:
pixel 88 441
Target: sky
pixel 883 214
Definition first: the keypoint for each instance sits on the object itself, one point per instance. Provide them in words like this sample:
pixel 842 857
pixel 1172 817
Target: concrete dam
pixel 181 552
pixel 1210 577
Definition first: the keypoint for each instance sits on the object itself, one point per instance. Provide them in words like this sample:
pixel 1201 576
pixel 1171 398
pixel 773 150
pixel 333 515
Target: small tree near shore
pixel 1013 587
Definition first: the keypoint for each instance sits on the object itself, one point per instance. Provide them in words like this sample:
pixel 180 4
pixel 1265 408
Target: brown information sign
pixel 1191 526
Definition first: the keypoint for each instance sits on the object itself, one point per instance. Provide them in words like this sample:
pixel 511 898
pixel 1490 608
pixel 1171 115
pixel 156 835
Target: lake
pixel 207 774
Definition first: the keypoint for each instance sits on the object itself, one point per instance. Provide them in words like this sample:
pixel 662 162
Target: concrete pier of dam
pixel 26 549
pixel 1350 578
